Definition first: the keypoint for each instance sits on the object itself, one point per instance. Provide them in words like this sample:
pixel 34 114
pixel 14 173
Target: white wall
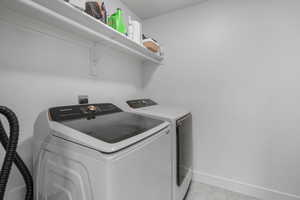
pixel 235 64
pixel 41 67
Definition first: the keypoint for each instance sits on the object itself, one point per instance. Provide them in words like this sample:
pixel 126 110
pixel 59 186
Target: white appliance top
pixel 104 127
pixel 149 107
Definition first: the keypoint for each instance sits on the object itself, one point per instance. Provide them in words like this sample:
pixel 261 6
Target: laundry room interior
pixel 153 100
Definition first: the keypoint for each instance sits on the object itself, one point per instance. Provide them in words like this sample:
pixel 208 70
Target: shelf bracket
pixel 94 60
pixel 97 52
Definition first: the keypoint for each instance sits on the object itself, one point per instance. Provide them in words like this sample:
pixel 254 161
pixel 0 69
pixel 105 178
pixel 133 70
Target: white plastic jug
pixel 135 31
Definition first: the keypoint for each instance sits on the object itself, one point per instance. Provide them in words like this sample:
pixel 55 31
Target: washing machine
pixel 99 152
pixel 181 140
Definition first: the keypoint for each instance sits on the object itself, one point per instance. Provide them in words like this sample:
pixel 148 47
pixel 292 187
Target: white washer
pixel 182 148
pixel 99 152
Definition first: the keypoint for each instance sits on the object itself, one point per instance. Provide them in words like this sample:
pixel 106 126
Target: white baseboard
pixel 243 188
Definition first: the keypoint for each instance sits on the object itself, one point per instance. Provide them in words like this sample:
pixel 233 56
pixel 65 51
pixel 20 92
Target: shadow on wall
pixel 149 70
pixel 35 52
pixel 118 67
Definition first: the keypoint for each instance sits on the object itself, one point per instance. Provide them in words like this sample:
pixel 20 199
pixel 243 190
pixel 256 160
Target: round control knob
pixel 92 108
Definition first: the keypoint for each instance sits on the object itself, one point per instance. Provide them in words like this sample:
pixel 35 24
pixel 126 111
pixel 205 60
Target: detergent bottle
pixel 116 21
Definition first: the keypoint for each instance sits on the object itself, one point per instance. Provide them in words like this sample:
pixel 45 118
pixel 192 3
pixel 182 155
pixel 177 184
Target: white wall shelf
pixel 64 16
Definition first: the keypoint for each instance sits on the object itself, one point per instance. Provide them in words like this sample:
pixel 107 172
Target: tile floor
pixel 199 191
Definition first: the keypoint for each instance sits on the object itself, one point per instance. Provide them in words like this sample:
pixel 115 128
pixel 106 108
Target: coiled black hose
pixel 10 145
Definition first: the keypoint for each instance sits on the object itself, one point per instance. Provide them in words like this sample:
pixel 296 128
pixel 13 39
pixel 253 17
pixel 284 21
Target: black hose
pixel 10 145
pixel 20 165
pixel 10 148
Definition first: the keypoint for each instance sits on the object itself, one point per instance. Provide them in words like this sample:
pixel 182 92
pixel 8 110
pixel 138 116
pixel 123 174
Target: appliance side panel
pixel 144 172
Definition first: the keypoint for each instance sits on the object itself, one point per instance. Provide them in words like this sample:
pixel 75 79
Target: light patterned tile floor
pixel 199 191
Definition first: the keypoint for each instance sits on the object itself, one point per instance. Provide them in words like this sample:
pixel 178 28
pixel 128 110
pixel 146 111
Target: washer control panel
pixel 140 103
pixel 88 111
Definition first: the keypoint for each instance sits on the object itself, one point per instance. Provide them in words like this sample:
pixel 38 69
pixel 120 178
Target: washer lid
pixel 114 127
pixel 104 127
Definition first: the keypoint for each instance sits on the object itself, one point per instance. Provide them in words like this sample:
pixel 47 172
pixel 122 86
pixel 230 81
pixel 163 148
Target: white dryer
pixel 181 139
pixel 99 152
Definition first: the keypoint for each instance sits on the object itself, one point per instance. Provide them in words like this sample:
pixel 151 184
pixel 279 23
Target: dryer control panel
pixel 140 103
pixel 88 111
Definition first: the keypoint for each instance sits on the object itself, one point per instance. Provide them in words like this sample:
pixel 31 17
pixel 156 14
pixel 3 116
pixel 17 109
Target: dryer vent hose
pixel 10 145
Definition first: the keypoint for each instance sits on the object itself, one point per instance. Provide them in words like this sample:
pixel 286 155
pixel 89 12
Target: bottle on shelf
pixel 135 31
pixel 116 21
